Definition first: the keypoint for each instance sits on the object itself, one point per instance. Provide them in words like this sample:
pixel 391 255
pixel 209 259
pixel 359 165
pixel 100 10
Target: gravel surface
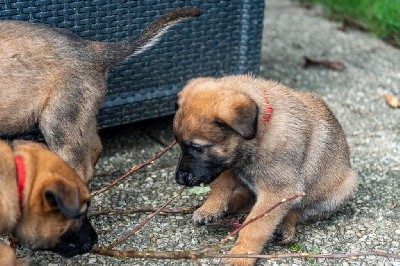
pixel 368 222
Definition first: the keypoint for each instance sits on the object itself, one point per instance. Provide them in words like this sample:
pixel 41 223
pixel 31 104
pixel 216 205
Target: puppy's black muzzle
pixel 77 242
pixel 192 179
pixel 193 169
pixel 186 179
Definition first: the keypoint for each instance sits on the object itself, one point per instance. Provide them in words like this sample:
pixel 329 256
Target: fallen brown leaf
pixel 334 65
pixel 392 101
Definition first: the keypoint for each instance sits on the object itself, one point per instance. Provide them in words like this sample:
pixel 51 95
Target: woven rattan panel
pixel 226 39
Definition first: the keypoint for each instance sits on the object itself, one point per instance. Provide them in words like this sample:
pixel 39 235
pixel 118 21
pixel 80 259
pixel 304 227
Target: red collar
pixel 21 175
pixel 268 111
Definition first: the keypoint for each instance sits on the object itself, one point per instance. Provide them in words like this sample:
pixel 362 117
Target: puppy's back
pixel 324 166
pixel 303 127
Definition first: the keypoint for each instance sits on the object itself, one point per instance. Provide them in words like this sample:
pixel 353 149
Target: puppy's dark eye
pixel 198 148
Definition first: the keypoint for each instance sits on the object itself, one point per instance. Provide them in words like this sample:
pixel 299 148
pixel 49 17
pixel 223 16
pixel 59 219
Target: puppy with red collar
pixel 258 142
pixel 43 202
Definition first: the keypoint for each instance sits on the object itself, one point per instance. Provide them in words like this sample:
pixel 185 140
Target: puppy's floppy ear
pixel 64 196
pixel 240 113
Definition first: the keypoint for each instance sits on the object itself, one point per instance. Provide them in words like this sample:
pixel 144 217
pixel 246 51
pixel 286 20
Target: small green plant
pixel 296 248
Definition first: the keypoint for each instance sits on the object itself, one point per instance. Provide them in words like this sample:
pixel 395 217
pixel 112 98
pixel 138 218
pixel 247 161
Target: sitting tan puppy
pixel 57 80
pixel 43 202
pixel 254 139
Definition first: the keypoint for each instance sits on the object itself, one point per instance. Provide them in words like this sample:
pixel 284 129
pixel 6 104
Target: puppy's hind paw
pixel 202 217
pixel 285 237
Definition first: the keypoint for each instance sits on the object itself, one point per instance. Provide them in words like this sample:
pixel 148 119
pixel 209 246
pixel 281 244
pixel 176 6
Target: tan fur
pixel 221 128
pixel 41 223
pixel 7 256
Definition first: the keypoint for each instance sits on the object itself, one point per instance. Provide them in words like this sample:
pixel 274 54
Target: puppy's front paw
pixel 203 216
pixel 237 250
pixel 238 262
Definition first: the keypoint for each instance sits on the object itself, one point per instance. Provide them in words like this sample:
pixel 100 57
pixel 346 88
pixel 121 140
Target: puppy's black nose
pixel 181 177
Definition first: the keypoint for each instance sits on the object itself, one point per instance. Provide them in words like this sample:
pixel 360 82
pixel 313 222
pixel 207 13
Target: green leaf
pixel 199 190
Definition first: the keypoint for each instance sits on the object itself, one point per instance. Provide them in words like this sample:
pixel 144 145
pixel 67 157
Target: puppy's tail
pixel 116 52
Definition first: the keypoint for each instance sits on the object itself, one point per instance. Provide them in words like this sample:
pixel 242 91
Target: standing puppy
pixel 53 78
pixel 257 139
pixel 43 202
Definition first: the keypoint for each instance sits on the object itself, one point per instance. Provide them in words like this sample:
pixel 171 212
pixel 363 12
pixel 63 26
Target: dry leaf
pixel 334 65
pixel 392 101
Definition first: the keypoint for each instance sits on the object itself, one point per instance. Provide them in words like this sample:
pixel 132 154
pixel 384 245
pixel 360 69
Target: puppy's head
pixel 212 120
pixel 55 204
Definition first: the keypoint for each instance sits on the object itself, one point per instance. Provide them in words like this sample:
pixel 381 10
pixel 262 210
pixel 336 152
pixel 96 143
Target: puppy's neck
pixel 21 178
pixel 268 110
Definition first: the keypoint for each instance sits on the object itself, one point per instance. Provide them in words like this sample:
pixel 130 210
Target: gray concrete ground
pixel 355 95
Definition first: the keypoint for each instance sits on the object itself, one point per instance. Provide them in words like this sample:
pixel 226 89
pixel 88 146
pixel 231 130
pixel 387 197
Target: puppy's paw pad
pixel 203 218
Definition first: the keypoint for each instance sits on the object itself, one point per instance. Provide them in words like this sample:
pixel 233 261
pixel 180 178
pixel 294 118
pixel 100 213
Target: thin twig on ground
pixel 140 210
pixel 145 221
pixel 133 170
pixel 201 254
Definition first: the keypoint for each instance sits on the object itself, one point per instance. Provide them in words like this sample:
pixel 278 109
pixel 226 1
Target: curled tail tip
pixel 118 51
pixel 194 11
pixel 185 12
